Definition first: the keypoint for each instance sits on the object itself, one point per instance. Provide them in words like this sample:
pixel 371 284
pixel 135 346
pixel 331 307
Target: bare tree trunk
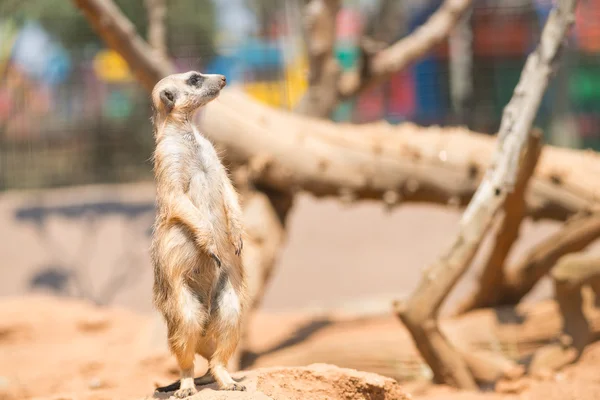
pixel 461 68
pixel 157 34
pixel 419 314
pixel 320 31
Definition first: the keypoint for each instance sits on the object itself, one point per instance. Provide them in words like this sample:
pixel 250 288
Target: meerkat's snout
pixel 219 80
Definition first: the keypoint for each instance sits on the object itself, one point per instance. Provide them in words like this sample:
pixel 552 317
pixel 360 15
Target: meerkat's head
pixel 184 93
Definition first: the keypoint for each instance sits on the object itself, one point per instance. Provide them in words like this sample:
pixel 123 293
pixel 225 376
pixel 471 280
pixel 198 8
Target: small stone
pixel 95 383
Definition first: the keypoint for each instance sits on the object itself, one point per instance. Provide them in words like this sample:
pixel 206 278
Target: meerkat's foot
pixel 234 387
pixel 185 392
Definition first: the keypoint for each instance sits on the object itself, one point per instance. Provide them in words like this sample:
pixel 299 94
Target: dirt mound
pixel 316 381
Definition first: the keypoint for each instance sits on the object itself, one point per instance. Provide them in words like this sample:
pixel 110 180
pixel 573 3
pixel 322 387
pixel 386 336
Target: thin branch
pixel 411 48
pixel 419 314
pixel 120 34
pixel 157 12
pixel 569 275
pixel 575 236
pixel 514 210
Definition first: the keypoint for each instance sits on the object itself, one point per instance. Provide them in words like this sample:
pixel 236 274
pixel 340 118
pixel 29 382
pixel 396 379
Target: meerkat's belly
pixel 206 193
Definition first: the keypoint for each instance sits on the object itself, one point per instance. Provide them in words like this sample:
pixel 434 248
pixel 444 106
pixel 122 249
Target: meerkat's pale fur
pixel 199 279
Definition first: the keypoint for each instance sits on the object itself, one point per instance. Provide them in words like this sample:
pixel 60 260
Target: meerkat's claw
pixel 217 259
pixel 239 247
pixel 235 387
pixel 183 393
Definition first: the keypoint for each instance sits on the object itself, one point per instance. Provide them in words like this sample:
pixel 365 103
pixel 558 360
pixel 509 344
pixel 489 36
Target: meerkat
pixel 197 239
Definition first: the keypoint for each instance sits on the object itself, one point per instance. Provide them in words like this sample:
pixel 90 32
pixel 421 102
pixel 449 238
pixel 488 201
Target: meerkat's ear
pixel 168 97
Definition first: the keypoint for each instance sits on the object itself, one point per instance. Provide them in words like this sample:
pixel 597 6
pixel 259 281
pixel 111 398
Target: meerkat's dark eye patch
pixel 168 98
pixel 195 80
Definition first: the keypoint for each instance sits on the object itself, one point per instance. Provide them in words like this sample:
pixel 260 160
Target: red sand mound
pixel 316 381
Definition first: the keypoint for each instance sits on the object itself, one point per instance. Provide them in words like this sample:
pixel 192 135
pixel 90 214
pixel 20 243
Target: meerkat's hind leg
pixel 227 335
pixel 184 349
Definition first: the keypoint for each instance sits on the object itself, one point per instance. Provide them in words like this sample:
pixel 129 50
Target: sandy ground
pixel 358 257
pixel 334 254
pixel 65 349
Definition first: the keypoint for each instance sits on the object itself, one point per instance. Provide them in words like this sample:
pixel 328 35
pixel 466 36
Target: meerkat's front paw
pixel 236 240
pixel 235 387
pixel 239 246
pixel 183 393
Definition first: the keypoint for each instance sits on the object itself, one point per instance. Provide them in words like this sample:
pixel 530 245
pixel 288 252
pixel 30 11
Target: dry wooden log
pixel 403 163
pixel 420 312
pixel 375 344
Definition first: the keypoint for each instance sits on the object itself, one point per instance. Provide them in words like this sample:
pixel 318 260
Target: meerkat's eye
pixel 195 80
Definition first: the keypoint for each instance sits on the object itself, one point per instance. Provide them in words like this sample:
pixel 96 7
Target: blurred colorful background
pixel 70 111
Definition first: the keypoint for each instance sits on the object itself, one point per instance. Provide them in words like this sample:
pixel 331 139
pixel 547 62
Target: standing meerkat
pixel 199 279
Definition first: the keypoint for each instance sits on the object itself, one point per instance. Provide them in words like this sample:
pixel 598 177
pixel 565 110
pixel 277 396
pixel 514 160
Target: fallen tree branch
pixel 419 314
pixel 377 161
